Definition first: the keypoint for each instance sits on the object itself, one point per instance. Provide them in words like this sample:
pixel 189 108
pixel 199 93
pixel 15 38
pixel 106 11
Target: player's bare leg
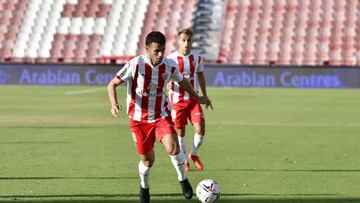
pixel 172 147
pixel 198 139
pixel 181 136
pixel 145 164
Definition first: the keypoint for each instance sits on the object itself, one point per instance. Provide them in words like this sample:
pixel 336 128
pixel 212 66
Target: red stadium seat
pixel 92 8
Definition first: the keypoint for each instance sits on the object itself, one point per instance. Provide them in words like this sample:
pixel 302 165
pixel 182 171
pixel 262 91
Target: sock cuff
pixel 178 159
pixel 181 139
pixel 144 169
pixel 198 135
pixel 198 139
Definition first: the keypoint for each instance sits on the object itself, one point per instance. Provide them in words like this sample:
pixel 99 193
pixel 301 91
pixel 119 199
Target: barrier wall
pixel 216 75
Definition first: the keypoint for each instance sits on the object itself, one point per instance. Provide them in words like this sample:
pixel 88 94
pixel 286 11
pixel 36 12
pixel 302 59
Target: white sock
pixel 198 139
pixel 179 163
pixel 183 146
pixel 144 173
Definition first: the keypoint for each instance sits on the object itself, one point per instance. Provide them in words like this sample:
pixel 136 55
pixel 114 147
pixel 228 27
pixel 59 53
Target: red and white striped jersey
pixel 146 88
pixel 189 66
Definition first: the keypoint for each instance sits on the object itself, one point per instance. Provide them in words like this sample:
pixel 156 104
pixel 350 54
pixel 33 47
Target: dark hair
pixel 155 36
pixel 186 31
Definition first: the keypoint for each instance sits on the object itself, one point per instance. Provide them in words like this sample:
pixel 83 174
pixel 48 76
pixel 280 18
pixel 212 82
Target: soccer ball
pixel 208 191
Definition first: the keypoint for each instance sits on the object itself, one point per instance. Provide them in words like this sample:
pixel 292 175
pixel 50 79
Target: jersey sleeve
pixel 125 72
pixel 200 64
pixel 176 75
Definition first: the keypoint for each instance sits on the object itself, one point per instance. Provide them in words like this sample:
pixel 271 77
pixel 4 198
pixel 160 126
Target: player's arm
pixel 187 86
pixel 202 84
pixel 111 89
pixel 123 75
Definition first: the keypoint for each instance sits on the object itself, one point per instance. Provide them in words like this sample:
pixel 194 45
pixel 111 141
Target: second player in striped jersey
pixel 184 106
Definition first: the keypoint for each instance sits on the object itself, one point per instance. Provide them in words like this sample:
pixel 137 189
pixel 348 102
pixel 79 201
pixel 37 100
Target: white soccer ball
pixel 208 191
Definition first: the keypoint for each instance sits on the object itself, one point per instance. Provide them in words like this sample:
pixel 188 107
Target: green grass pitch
pixel 60 144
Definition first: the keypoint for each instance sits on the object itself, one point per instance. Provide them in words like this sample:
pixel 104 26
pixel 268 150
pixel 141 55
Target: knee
pixel 174 149
pixel 149 162
pixel 180 132
pixel 199 128
pixel 200 131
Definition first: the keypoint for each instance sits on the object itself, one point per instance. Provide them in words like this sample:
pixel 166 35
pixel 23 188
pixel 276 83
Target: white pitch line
pixel 85 91
pixel 338 125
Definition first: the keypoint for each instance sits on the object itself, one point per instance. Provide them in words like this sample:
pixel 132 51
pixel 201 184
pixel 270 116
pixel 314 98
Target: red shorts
pixel 191 109
pixel 144 134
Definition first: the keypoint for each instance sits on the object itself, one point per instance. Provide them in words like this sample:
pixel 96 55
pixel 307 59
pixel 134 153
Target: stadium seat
pixel 64 25
pixel 99 27
pixel 68 10
pixel 103 10
pixel 88 26
pixel 80 8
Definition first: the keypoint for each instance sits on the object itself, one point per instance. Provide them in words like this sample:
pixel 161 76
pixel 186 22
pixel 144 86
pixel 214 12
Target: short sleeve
pixel 176 75
pixel 125 72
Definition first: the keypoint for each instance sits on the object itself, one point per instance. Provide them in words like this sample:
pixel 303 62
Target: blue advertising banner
pixel 216 75
pixel 49 74
pixel 290 77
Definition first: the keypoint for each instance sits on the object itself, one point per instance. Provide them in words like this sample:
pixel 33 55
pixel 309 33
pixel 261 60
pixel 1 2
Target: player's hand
pixel 115 110
pixel 209 104
pixel 205 100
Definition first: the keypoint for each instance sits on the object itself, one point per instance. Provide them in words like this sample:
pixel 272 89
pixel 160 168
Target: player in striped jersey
pixel 149 111
pixel 184 106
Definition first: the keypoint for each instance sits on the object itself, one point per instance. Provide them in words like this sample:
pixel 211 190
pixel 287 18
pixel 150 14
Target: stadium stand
pixel 292 32
pixel 252 32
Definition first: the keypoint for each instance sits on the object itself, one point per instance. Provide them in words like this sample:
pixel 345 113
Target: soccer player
pixel 149 109
pixel 184 105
